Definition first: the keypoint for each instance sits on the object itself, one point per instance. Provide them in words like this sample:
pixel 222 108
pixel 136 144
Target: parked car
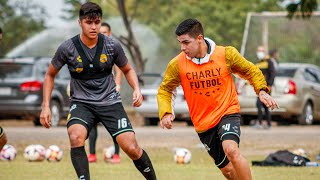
pixel 150 83
pixel 296 89
pixel 21 83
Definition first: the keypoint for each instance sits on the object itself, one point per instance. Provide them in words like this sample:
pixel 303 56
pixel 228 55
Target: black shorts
pixel 1 131
pixel 113 117
pixel 227 129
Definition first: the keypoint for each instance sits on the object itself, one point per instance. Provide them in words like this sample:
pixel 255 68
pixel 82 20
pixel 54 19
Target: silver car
pixel 296 89
pixel 150 83
pixel 21 85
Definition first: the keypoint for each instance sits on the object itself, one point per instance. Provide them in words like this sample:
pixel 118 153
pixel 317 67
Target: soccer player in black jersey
pixel 90 57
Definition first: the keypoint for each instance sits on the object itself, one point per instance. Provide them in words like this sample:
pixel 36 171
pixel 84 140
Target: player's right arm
pixel 57 62
pixel 171 80
pixel 45 116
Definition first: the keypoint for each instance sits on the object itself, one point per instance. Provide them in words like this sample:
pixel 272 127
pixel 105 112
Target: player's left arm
pixel 247 70
pixel 121 61
pixel 132 79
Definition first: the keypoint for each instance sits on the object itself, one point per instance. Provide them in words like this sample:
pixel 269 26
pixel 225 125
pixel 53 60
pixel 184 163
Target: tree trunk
pixel 130 41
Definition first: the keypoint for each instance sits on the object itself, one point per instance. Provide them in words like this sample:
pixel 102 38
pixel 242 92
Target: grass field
pixel 201 167
pixel 255 145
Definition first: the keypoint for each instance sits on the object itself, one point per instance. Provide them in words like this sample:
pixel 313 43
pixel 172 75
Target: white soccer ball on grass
pixel 182 156
pixel 8 153
pixel 34 152
pixel 108 153
pixel 54 153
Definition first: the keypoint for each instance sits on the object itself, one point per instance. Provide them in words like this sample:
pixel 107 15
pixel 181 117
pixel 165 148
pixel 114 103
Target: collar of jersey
pixel 206 58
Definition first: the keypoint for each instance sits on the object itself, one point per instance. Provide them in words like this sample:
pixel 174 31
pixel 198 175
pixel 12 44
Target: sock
pixel 93 139
pixel 80 162
pixel 116 147
pixel 144 165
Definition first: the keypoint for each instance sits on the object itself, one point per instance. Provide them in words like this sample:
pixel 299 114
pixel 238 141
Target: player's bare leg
pixel 239 163
pixel 229 172
pixel 129 145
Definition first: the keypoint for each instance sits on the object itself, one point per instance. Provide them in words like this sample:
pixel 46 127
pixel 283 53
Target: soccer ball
pixel 8 153
pixel 54 153
pixel 34 152
pixel 182 156
pixel 108 153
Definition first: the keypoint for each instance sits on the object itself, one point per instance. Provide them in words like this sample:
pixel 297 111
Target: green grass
pixel 201 167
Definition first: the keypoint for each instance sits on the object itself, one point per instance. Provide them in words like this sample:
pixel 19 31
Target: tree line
pixel 19 21
pixel 223 20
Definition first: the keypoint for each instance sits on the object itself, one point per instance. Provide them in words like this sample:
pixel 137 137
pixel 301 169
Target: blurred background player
pixel 92 157
pixel 0 34
pixel 269 72
pixel 274 57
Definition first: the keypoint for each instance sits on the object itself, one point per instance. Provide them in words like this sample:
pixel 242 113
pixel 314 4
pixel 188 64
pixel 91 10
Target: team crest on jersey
pixel 79 70
pixel 79 59
pixel 103 58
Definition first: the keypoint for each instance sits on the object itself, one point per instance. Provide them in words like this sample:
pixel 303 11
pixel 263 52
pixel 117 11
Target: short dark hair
pixel 90 10
pixel 272 52
pixel 193 27
pixel 106 24
pixel 0 30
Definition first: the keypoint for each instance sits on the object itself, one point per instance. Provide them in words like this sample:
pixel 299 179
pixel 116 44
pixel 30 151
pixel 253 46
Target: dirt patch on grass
pixel 254 142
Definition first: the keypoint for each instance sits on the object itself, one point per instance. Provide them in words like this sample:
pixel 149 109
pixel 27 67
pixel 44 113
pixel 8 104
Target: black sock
pixel 80 162
pixel 93 139
pixel 116 147
pixel 144 165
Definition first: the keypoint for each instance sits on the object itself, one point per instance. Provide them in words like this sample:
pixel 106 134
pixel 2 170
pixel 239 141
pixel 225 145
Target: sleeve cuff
pixel 266 89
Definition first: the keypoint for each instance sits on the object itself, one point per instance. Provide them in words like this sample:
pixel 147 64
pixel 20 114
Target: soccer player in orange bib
pixel 204 70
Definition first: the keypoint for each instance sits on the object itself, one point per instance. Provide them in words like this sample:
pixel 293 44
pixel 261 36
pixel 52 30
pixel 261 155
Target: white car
pixel 150 83
pixel 296 89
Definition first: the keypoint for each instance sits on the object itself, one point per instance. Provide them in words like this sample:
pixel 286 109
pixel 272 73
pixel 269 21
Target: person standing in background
pixel 106 30
pixel 0 34
pixel 93 135
pixel 274 57
pixel 267 67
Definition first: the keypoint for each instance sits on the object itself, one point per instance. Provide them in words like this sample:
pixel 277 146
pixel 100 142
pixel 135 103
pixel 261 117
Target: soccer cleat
pixel 258 126
pixel 115 159
pixel 92 158
pixel 267 127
